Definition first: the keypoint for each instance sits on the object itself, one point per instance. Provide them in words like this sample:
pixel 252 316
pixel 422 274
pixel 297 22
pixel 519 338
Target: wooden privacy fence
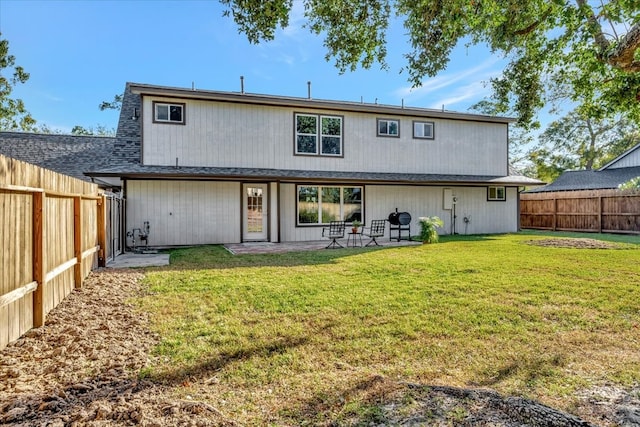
pixel 599 211
pixel 51 230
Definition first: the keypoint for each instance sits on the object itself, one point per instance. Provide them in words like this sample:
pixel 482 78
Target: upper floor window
pixel 168 113
pixel 423 130
pixel 318 135
pixel 387 127
pixel 496 194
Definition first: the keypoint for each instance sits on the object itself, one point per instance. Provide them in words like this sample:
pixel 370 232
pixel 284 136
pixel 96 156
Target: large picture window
pixel 318 135
pixel 168 113
pixel 323 204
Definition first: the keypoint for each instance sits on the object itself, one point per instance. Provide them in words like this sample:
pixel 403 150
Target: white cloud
pixel 473 91
pixel 476 75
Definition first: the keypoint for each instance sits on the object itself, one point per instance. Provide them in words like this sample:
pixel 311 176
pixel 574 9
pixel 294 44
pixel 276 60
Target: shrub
pixel 429 232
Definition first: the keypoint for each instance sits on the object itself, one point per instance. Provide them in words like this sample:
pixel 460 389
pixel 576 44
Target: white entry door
pixel 255 212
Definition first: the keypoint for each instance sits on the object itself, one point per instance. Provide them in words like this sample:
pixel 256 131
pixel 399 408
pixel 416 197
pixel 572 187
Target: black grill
pixel 399 222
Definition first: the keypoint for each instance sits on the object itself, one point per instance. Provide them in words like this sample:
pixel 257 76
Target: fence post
pixel 600 214
pixel 38 259
pixel 555 213
pixel 102 235
pixel 77 240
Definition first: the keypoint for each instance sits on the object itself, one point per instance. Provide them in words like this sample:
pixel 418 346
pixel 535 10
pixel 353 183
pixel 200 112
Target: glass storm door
pixel 255 212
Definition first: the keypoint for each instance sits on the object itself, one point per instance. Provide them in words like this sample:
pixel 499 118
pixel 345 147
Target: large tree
pixel 591 46
pixel 13 114
pixel 580 142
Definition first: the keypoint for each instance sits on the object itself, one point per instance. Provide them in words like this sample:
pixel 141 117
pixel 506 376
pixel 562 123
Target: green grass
pixel 325 336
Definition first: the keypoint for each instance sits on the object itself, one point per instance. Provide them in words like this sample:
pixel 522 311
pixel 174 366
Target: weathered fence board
pixel 50 242
pixel 599 211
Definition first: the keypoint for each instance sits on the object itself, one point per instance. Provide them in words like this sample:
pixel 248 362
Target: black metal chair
pixel 333 232
pixel 375 230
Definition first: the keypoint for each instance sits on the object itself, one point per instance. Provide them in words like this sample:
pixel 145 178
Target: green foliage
pixel 308 216
pixel 99 130
pixel 580 142
pixel 632 184
pixel 429 228
pixel 580 47
pixel 116 104
pixel 13 114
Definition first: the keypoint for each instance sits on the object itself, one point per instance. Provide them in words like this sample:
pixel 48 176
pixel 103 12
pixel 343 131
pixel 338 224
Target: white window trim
pixel 296 134
pixel 387 135
pixel 423 123
pixel 169 105
pixel 497 190
pixel 318 135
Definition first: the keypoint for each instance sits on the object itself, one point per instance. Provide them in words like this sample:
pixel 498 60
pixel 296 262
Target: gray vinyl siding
pixel 380 200
pixel 630 160
pixel 185 212
pixel 236 135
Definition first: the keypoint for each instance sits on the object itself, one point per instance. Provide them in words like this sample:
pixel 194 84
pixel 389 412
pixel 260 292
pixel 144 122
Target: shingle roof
pixel 142 171
pixel 67 154
pixel 590 180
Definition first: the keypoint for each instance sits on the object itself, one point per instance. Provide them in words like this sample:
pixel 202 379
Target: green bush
pixel 428 228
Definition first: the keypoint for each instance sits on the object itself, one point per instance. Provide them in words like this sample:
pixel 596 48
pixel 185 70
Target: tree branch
pixel 623 55
pixel 594 26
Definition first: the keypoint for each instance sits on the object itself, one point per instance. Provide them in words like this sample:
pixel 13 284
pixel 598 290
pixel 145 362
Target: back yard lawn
pixel 326 336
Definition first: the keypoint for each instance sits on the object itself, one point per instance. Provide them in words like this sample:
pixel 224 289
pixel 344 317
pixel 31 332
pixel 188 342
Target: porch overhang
pixel 298 176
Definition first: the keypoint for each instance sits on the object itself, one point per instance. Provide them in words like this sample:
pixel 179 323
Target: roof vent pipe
pixel 309 89
pixel 403 103
pixel 193 85
pixel 242 85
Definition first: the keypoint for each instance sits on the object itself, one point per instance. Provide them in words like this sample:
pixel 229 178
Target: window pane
pixel 418 130
pixel 382 127
pixel 308 205
pixel 331 145
pixel 492 192
pixel 307 124
pixel 428 130
pixel 306 144
pixel 330 204
pixel 162 112
pixel 352 204
pixel 331 126
pixel 393 128
pixel 176 113
pixel 500 193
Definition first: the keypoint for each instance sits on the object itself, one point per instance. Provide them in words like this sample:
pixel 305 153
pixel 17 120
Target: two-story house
pixel 222 167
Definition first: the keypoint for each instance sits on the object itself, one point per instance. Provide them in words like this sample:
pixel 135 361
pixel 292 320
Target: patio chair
pixel 333 232
pixel 375 230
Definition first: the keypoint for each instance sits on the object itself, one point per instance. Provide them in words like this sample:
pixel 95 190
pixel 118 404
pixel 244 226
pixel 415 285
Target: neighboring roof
pixel 590 180
pixel 621 156
pixel 288 101
pixel 66 154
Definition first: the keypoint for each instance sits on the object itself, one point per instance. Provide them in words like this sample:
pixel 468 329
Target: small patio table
pixel 352 238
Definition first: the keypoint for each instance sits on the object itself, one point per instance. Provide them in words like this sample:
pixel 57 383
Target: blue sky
pixel 80 53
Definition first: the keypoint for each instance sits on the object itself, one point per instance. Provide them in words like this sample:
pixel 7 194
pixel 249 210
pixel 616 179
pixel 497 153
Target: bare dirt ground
pixel 574 243
pixel 81 369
